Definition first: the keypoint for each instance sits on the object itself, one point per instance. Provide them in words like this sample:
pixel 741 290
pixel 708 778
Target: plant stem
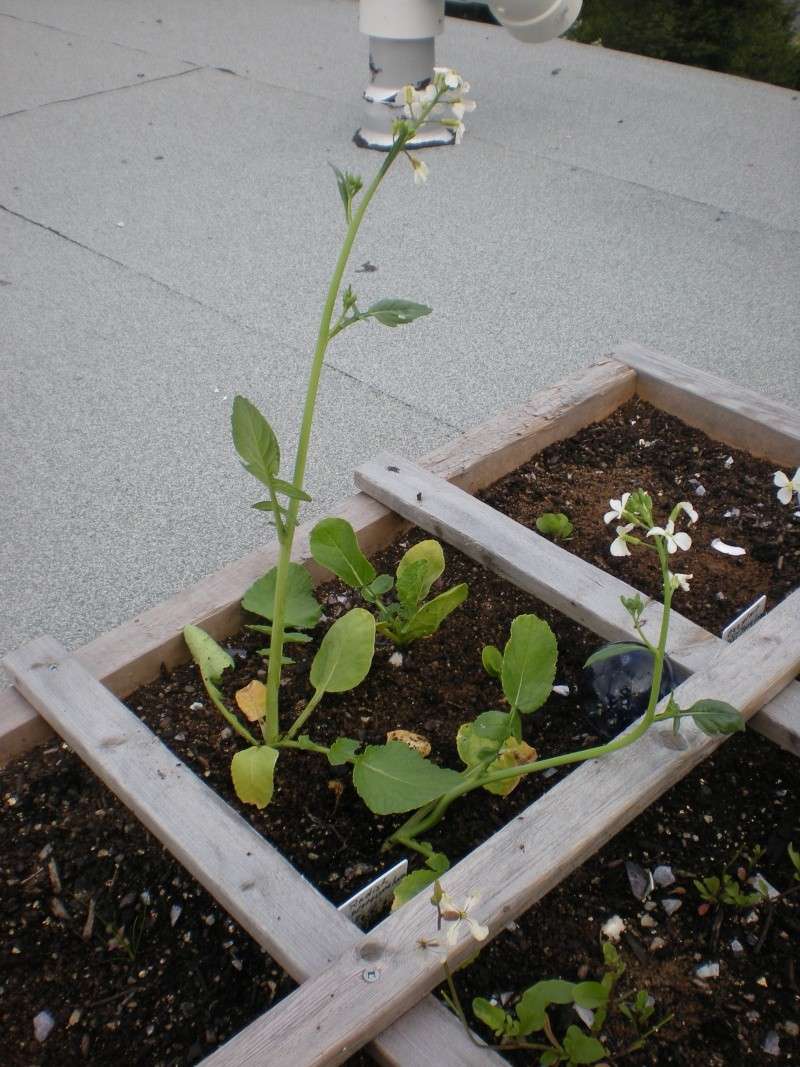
pixel 301 718
pixel 272 718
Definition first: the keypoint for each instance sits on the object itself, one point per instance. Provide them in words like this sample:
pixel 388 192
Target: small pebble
pixel 174 914
pixel 729 462
pixel 707 970
pixel 732 513
pixel 641 881
pixel 43 1024
pixel 562 690
pixel 396 659
pixel 657 943
pixel 647 921
pixel 613 928
pixel 650 905
pixel 663 876
pixel 771 1044
pixel 671 905
pixel 700 491
pixel 791 1028
pixel 737 947
pixel 197 706
pixel 759 883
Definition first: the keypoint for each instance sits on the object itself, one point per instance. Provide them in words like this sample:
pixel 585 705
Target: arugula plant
pixel 410 615
pixel 283 597
pixel 555 524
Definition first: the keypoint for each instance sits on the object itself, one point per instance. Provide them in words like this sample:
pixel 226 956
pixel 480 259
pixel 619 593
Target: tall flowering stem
pixel 418 109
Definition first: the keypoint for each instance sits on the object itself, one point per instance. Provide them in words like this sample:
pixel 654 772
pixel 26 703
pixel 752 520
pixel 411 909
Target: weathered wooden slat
pixel 578 589
pixel 514 868
pixel 250 879
pixel 720 407
pixel 132 654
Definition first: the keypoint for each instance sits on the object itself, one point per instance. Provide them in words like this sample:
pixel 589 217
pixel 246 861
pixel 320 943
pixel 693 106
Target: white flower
pixel 420 170
pixel 680 581
pixel 617 508
pixel 451 79
pixel 684 505
pixel 452 913
pixel 674 540
pixel 787 487
pixel 619 546
pixel 461 107
pixel 416 100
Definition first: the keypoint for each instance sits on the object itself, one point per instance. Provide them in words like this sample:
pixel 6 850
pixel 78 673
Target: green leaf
pixel 634 605
pixel 255 441
pixel 483 737
pixel 529 663
pixel 302 612
pixel 555 525
pixel 715 717
pixel 252 770
pixel 393 778
pixel 549 1057
pixel 382 585
pixel 288 638
pixel 590 995
pixel 396 312
pixel 333 545
pixel 287 489
pixel 411 884
pixel 342 751
pixel 210 657
pixel 491 1014
pixel 430 552
pixel 348 185
pixel 616 649
pixel 581 1048
pixel 345 655
pixel 533 1003
pixel 492 660
pixel 431 615
pixel 410 586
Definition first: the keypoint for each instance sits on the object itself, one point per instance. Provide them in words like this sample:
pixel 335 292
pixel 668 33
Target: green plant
pixel 555 525
pixel 598 1000
pixel 409 616
pixel 284 596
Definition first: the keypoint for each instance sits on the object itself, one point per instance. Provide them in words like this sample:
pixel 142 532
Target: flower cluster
pixel 787 487
pixel 443 96
pixel 635 510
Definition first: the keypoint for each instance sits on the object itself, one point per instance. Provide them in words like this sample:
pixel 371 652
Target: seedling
pixel 555 525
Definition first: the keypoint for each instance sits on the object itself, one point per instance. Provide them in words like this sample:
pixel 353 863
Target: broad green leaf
pixel 345 655
pixel 342 750
pixel 381 585
pixel 410 586
pixel 431 615
pixel 302 610
pixel 514 753
pixel 549 1057
pixel 333 545
pixel 396 312
pixel 252 770
pixel 590 995
pixel 392 778
pixel 491 1014
pixel 255 441
pixel 715 717
pixel 582 1048
pixel 529 663
pixel 430 552
pixel 492 660
pixel 210 657
pixel 408 887
pixel 479 739
pixel 554 524
pixel 534 1001
pixel 616 649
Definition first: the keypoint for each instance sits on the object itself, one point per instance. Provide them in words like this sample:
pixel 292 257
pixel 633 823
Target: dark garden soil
pixel 103 931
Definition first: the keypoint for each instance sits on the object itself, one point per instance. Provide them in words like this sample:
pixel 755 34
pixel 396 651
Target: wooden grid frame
pixel 365 984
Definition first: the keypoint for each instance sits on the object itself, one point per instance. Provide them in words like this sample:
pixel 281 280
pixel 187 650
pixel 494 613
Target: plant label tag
pixel 745 620
pixel 375 897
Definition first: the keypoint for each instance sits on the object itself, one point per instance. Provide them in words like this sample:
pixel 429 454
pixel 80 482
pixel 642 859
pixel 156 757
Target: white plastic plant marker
pixel 375 897
pixel 745 620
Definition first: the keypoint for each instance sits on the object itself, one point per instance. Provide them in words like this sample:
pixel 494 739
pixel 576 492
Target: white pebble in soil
pixel 43 1024
pixel 663 877
pixel 707 970
pixel 771 1043
pixel 671 905
pixel 396 659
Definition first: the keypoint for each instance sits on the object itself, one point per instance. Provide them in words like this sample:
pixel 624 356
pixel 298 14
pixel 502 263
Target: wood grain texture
pixel 132 654
pixel 723 409
pixel 515 867
pixel 259 888
pixel 571 585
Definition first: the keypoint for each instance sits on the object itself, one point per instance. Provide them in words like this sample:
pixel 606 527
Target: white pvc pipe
pixel 401 20
pixel 535 21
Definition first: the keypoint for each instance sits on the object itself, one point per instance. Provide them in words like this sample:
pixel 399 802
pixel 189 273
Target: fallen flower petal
pixel 727 550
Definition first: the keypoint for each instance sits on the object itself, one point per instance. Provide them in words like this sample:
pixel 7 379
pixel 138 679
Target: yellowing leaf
pixel 416 741
pixel 252 700
pixel 513 754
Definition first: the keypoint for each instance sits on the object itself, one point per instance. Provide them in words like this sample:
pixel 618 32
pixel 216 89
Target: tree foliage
pixel 752 38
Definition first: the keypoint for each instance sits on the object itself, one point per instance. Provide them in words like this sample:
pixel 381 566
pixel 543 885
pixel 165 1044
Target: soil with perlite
pixel 108 941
